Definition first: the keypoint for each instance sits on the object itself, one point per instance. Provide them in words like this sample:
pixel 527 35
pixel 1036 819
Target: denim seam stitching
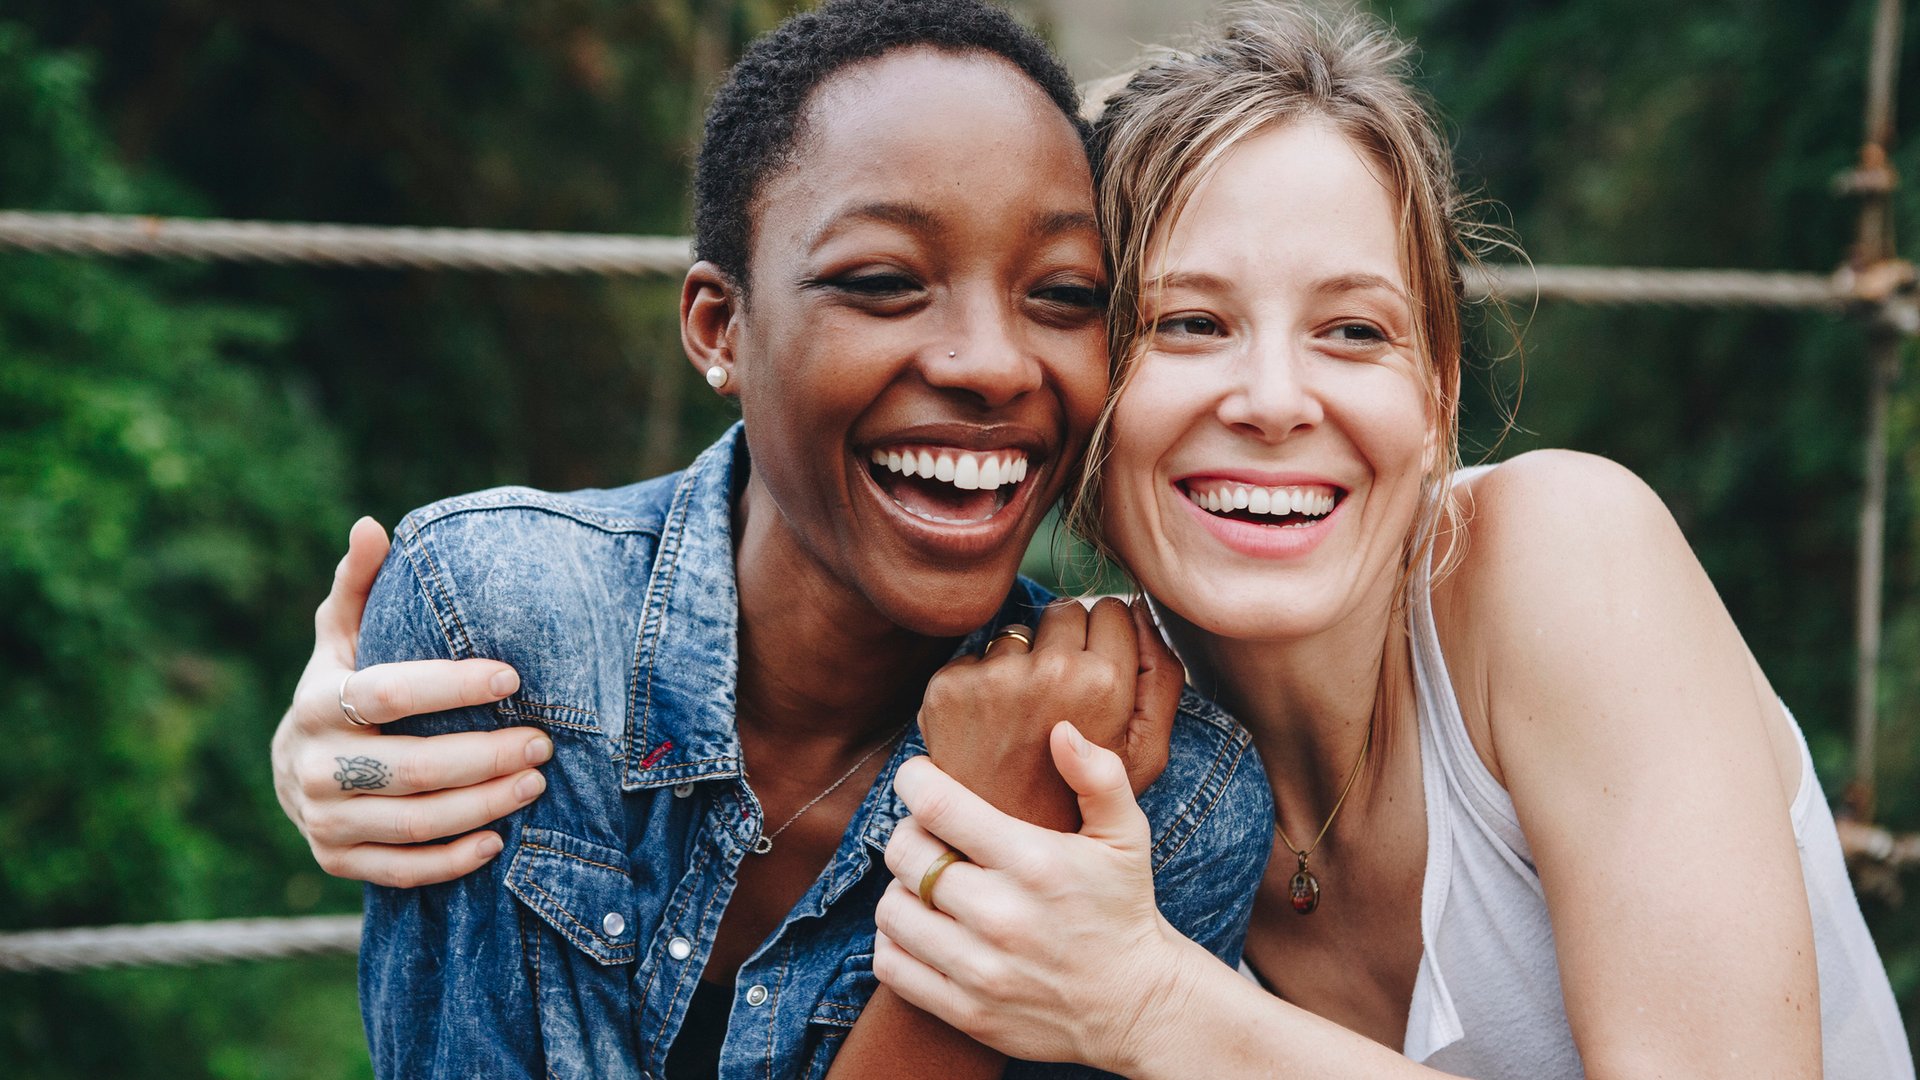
pixel 522 498
pixel 671 533
pixel 561 910
pixel 672 917
pixel 1218 794
pixel 1187 811
pixel 462 648
pixel 577 858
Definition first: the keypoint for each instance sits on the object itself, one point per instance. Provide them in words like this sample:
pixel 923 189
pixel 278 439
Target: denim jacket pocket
pixel 584 891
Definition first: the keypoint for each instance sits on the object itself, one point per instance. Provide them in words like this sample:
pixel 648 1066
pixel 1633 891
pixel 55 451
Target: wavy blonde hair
pixel 1179 114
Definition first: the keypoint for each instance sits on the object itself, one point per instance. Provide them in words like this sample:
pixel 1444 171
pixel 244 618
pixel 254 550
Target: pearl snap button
pixel 757 996
pixel 679 948
pixel 681 791
pixel 614 924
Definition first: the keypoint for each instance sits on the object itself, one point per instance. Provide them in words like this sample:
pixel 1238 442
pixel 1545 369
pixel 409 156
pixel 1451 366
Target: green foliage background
pixel 181 448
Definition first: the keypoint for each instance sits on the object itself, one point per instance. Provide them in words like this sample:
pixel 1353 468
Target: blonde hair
pixel 1163 132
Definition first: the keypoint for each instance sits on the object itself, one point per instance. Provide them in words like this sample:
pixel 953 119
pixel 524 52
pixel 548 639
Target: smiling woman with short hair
pixel 899 261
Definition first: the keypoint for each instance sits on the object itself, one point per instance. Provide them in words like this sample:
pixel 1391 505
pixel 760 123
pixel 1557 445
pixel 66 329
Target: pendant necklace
pixel 1304 889
pixel 764 842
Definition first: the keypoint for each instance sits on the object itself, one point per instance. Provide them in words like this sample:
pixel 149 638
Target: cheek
pixel 1079 363
pixel 1158 407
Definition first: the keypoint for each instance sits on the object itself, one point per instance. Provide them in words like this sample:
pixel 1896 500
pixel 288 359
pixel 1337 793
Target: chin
pixel 947 604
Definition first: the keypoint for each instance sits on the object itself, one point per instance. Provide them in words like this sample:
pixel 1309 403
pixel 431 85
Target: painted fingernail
pixel 489 845
pixel 504 682
pixel 539 750
pixel 530 785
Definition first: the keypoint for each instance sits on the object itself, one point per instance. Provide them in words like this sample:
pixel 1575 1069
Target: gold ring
pixel 932 876
pixel 1013 632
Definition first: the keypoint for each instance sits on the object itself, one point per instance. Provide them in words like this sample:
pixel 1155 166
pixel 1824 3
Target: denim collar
pixel 686 663
pixel 682 697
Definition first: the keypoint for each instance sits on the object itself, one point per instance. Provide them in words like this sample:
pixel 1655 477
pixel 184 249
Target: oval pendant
pixel 1304 890
pixel 762 844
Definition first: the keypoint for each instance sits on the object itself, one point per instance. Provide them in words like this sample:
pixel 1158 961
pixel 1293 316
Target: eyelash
pixel 1375 335
pixel 1185 324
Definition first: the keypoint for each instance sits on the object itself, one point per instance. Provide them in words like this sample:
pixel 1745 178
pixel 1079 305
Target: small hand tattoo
pixel 361 774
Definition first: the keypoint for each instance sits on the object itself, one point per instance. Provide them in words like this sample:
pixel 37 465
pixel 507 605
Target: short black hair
pixel 753 124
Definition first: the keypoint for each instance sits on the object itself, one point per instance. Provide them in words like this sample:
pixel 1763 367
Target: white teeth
pixel 963 469
pixel 1314 501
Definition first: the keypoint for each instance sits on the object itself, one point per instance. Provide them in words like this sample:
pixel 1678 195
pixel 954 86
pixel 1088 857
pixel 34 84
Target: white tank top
pixel 1487 1004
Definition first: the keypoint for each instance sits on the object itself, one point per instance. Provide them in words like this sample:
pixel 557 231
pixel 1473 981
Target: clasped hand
pixel 1044 945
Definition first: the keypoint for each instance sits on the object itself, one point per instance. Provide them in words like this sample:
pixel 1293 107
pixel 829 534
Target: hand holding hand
pixel 986 719
pixel 361 797
pixel 1045 946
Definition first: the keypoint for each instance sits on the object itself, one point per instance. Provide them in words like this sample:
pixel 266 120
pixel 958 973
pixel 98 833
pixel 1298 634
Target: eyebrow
pixel 1358 282
pixel 905 215
pixel 1198 280
pixel 1201 281
pixel 920 219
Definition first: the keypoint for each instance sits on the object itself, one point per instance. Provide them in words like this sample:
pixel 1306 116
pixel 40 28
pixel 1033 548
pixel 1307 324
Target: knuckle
pixel 413 773
pixel 394 697
pixel 410 826
pixel 332 860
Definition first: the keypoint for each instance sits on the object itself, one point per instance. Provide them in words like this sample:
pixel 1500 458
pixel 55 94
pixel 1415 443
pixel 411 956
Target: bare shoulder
pixel 1553 528
pixel 1568 566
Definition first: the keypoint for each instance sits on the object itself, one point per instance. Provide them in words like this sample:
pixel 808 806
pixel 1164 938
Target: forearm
pixel 893 1039
pixel 1213 1022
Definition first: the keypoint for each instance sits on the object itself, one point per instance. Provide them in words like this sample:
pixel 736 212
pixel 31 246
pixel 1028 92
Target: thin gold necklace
pixel 764 842
pixel 1304 889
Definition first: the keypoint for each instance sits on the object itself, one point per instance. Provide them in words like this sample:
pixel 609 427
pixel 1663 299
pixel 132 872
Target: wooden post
pixel 1873 182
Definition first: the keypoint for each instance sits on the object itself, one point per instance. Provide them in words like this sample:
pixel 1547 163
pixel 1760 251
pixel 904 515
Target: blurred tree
pixel 168 499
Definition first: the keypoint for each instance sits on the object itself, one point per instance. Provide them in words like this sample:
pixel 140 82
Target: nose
pixel 1271 394
pixel 983 355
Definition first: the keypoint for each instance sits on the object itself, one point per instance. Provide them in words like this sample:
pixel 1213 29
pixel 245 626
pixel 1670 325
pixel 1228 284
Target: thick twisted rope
pixel 1678 288
pixel 585 253
pixel 344 245
pixel 212 941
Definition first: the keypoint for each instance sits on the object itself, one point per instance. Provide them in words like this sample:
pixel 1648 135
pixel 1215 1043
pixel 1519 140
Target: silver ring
pixel 346 708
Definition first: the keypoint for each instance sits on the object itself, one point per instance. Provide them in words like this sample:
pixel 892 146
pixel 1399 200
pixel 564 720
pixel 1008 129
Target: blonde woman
pixel 1538 812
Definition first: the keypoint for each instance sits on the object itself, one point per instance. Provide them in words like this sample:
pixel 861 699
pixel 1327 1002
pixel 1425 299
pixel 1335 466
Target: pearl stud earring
pixel 717 376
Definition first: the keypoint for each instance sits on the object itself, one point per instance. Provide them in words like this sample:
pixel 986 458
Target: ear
pixel 710 309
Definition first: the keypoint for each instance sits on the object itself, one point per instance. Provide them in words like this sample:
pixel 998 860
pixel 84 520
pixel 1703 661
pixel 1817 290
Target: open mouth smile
pixel 1290 507
pixel 945 485
pixel 1268 521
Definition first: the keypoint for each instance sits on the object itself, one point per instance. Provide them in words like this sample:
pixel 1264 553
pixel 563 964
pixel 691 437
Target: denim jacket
pixel 574 953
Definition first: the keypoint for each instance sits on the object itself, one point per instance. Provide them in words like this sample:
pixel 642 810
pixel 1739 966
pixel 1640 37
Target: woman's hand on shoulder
pixel 1044 945
pixel 987 719
pixel 368 802
pixel 1628 723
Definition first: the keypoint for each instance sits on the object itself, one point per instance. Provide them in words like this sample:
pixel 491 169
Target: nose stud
pixel 951 353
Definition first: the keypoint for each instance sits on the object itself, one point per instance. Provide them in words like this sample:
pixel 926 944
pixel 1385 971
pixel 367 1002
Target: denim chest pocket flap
pixel 585 891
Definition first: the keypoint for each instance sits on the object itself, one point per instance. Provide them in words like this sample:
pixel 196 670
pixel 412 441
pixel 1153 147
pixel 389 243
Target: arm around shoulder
pixel 443 987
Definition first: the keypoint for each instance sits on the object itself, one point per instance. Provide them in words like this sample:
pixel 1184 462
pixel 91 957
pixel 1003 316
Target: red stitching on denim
pixel 656 754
